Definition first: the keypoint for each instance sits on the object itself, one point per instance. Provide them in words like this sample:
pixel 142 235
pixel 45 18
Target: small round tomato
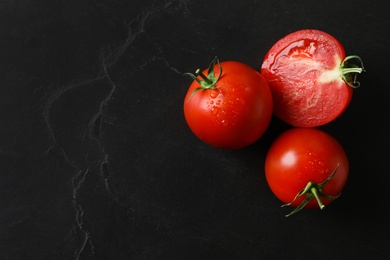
pixel 229 108
pixel 310 78
pixel 306 167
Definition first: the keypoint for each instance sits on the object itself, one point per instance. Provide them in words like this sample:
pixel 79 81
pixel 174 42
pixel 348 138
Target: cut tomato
pixel 310 78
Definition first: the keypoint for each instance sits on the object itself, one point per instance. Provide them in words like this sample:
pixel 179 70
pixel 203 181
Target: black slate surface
pixel 97 162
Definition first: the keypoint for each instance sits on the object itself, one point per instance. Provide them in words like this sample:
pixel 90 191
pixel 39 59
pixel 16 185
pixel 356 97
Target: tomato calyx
pixel 206 82
pixel 311 190
pixel 349 71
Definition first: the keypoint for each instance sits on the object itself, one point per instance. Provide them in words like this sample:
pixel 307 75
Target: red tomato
pixel 310 78
pixel 229 108
pixel 306 167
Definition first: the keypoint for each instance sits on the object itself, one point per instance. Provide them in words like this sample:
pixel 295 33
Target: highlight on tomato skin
pixel 306 168
pixel 310 77
pixel 229 105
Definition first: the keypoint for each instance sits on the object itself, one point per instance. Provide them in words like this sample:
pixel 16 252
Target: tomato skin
pixel 305 78
pixel 302 155
pixel 235 113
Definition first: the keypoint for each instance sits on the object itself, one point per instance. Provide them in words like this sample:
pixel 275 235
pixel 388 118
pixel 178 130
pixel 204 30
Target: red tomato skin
pixel 303 73
pixel 235 113
pixel 302 155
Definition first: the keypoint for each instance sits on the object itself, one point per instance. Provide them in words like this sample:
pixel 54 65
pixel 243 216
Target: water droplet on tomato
pixel 214 110
pixel 214 94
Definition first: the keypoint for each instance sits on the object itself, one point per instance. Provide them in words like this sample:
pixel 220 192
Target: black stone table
pixel 96 159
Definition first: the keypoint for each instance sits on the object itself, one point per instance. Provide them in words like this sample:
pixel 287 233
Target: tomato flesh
pixel 235 113
pixel 303 73
pixel 302 155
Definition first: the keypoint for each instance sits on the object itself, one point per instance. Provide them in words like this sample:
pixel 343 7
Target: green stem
pixel 315 193
pixel 206 79
pixel 352 70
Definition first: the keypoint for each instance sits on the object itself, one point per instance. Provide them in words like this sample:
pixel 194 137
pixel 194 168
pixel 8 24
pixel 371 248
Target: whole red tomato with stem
pixel 306 168
pixel 310 77
pixel 228 105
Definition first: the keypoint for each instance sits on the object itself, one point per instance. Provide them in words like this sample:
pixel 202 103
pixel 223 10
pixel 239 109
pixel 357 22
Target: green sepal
pixel 313 190
pixel 350 71
pixel 206 82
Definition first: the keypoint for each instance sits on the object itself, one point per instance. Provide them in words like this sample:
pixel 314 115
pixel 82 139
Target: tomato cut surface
pixel 231 108
pixel 306 158
pixel 305 73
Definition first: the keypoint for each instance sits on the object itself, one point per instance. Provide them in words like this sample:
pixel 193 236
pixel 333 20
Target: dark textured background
pixel 97 162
